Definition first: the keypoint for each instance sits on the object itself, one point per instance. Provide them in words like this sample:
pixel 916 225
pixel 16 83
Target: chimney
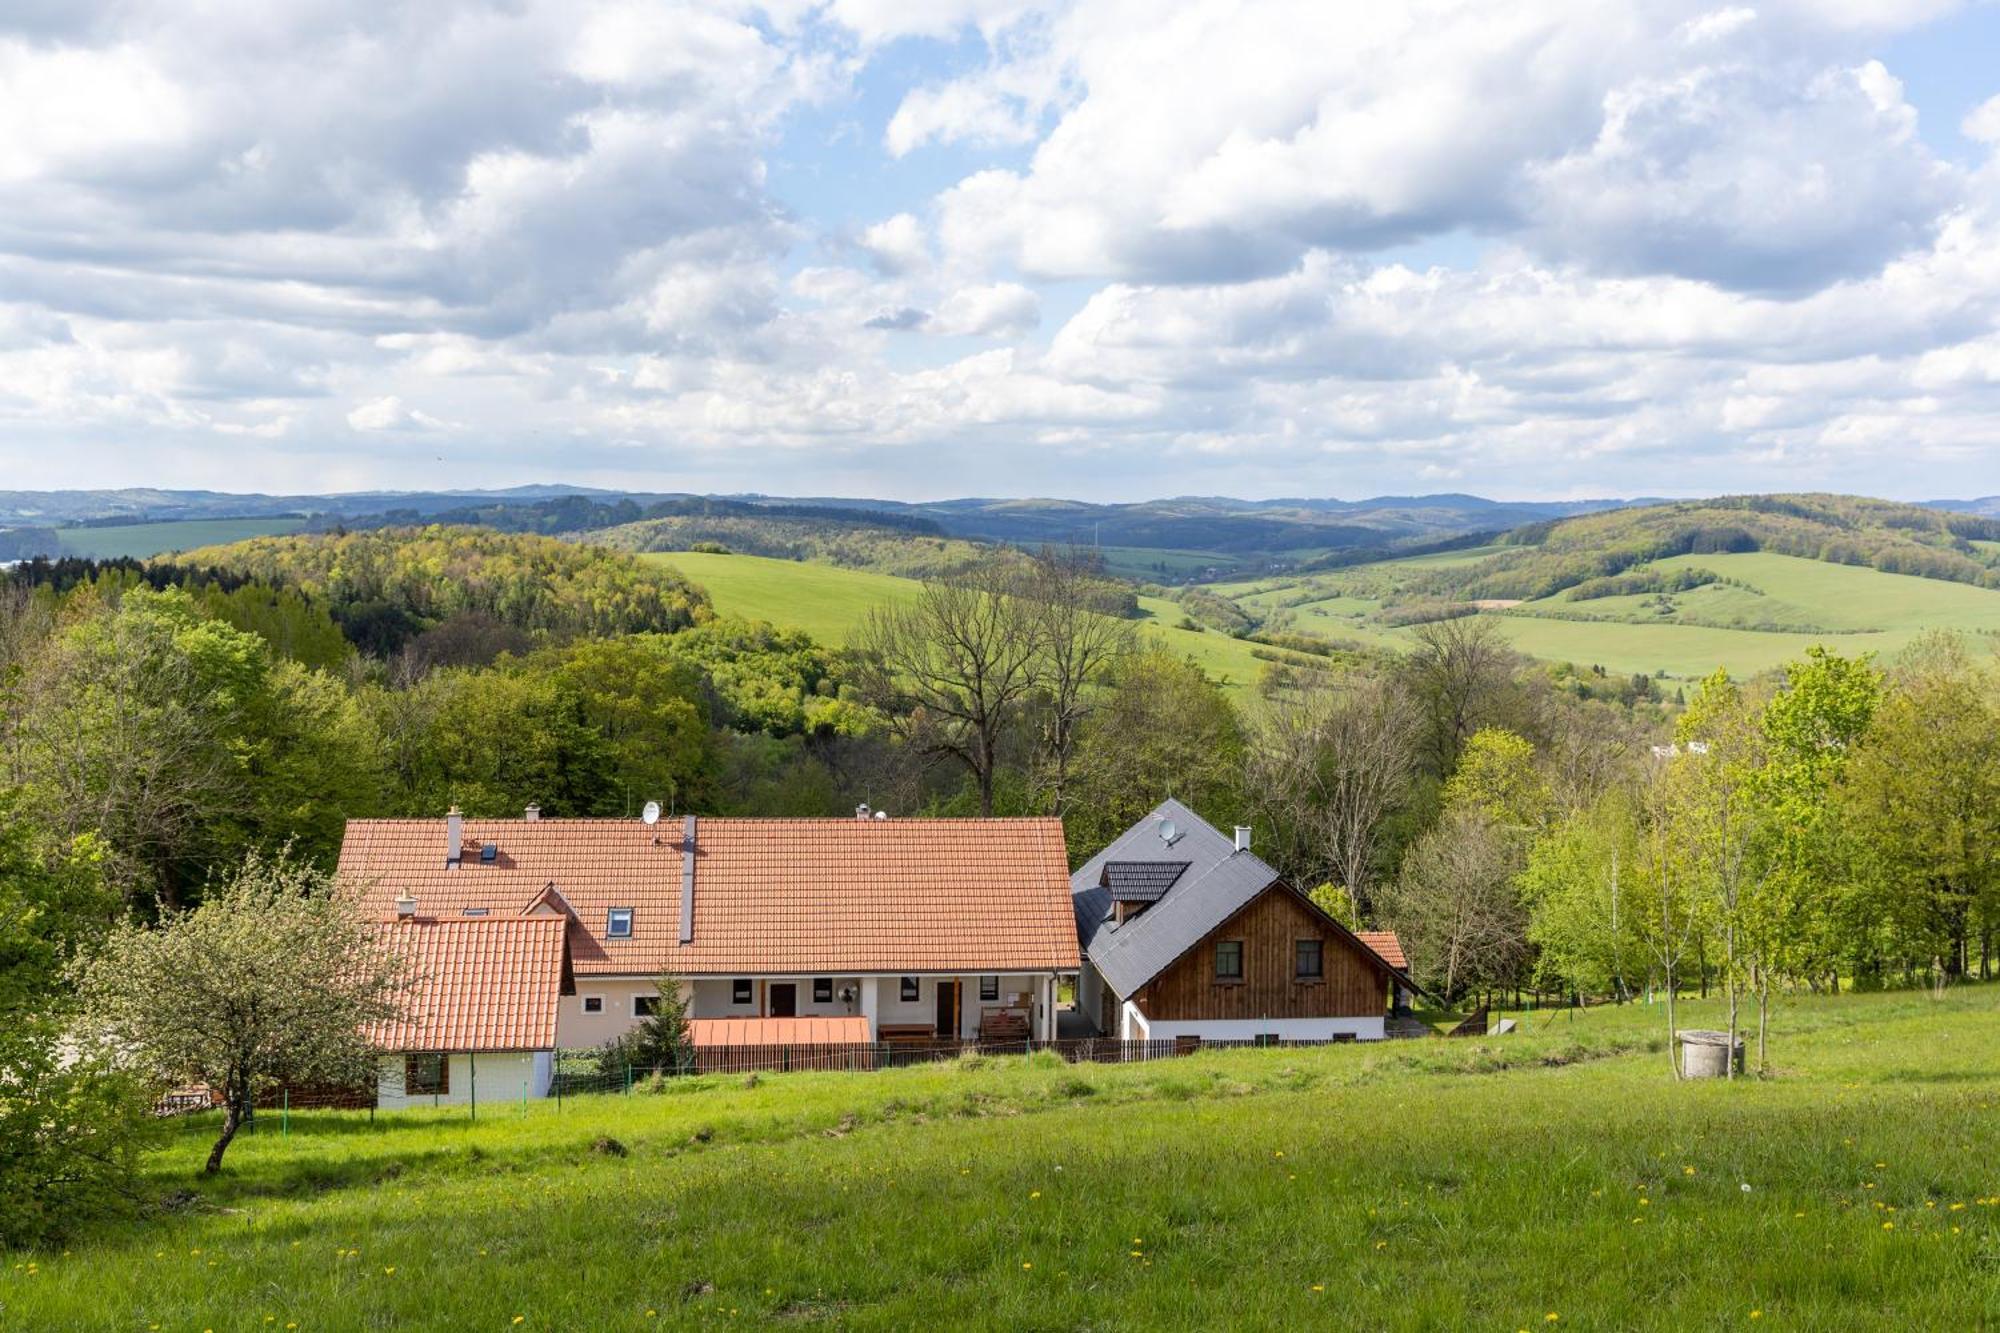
pixel 1242 837
pixel 406 905
pixel 454 837
pixel 534 812
pixel 861 811
pixel 687 879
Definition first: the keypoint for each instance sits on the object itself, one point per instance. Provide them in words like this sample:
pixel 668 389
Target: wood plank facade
pixel 1269 929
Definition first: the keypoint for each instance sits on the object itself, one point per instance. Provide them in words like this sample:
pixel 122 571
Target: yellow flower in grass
pixel 1756 1314
pixel 1551 1317
pixel 520 1319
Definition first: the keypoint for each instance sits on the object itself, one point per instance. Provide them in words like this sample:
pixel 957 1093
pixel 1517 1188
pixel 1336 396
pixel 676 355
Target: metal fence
pixel 582 1073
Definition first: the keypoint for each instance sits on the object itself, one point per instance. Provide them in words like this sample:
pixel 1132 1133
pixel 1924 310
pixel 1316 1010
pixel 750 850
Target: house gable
pixel 1353 982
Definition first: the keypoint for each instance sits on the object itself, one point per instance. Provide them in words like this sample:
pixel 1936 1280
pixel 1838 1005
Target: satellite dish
pixel 1169 831
pixel 651 814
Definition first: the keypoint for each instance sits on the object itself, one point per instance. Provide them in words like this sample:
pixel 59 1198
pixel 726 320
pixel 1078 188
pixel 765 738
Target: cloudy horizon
pixel 1108 251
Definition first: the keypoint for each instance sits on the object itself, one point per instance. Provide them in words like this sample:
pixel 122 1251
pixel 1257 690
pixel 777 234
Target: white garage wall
pixel 502 1076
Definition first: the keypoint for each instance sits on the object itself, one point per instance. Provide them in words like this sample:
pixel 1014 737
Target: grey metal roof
pixel 1141 881
pixel 1216 882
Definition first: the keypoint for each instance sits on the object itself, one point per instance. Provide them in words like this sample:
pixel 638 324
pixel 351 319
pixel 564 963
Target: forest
pixel 1834 825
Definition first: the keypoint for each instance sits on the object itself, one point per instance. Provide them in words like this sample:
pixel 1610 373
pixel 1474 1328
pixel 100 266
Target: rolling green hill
pixel 1554 1178
pixel 1746 583
pixel 142 541
pixel 829 602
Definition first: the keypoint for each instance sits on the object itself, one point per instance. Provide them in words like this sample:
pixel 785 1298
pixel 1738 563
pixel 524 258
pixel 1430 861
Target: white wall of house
pixel 1132 1025
pixel 498 1077
pixel 715 997
pixel 1090 994
pixel 877 998
pixel 1249 1029
pixel 578 1029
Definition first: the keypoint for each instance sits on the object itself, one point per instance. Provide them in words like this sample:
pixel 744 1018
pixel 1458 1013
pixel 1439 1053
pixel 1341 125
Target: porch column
pixel 868 1003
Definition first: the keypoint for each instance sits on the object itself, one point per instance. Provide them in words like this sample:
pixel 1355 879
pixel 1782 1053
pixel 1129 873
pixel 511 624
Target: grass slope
pixel 141 541
pixel 1793 603
pixel 829 603
pixel 1555 1177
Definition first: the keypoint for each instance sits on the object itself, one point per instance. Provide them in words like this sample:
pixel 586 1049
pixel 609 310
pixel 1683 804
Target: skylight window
pixel 489 852
pixel 619 925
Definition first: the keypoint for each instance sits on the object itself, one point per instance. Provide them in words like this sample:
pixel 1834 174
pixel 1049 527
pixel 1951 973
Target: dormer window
pixel 618 926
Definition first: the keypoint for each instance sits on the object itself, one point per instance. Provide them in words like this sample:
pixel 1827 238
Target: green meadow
pixel 830 602
pixel 1552 1178
pixel 1771 610
pixel 141 541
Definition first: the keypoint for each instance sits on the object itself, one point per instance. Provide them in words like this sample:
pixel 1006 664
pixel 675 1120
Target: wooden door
pixel 947 1008
pixel 784 999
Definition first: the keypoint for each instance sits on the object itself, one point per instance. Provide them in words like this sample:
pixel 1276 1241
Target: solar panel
pixel 1141 881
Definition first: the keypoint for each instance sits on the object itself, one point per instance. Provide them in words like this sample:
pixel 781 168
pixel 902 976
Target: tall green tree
pixel 1923 794
pixel 1162 729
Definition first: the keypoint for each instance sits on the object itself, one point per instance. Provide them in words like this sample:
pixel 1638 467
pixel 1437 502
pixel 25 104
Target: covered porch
pixel 916 1007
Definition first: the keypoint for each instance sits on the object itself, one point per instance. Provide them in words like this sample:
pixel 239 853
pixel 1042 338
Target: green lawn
pixel 828 602
pixel 1411 1185
pixel 142 540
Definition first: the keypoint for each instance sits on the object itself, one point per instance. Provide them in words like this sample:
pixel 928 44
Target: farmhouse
pixel 1187 934
pixel 914 929
pixel 479 1018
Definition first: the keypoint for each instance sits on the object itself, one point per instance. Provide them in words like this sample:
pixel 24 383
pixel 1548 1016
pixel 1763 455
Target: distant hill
pixel 1674 589
pixel 145 504
pixel 1226 526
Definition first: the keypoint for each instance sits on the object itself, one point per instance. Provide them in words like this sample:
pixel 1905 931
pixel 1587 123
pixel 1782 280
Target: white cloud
pixel 1001 309
pixel 390 414
pixel 897 244
pixel 1982 124
pixel 1308 248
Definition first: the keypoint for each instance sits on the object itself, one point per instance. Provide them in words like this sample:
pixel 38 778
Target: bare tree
pixel 1334 762
pixel 952 668
pixel 1079 645
pixel 1460 670
pixel 1454 905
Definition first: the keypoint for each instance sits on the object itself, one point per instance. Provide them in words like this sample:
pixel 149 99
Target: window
pixel 989 988
pixel 426 1074
pixel 910 991
pixel 489 852
pixel 475 911
pixel 618 926
pixel 593 1004
pixel 645 1006
pixel 822 990
pixel 739 991
pixel 1310 959
pixel 1229 960
pixel 1267 1039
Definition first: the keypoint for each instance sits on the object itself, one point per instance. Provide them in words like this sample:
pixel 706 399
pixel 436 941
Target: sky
pixel 927 248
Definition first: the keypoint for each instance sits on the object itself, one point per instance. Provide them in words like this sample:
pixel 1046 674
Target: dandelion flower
pixel 1551 1317
pixel 1025 1267
pixel 1687 1170
pixel 520 1319
pixel 1756 1314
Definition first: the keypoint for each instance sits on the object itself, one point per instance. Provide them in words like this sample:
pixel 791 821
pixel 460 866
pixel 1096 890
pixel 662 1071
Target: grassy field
pixel 1552 1178
pixel 142 540
pixel 829 602
pixel 1774 609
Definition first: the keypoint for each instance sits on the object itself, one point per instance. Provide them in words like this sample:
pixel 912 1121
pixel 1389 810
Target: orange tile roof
pixel 1386 946
pixel 795 896
pixel 778 1031
pixel 477 984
